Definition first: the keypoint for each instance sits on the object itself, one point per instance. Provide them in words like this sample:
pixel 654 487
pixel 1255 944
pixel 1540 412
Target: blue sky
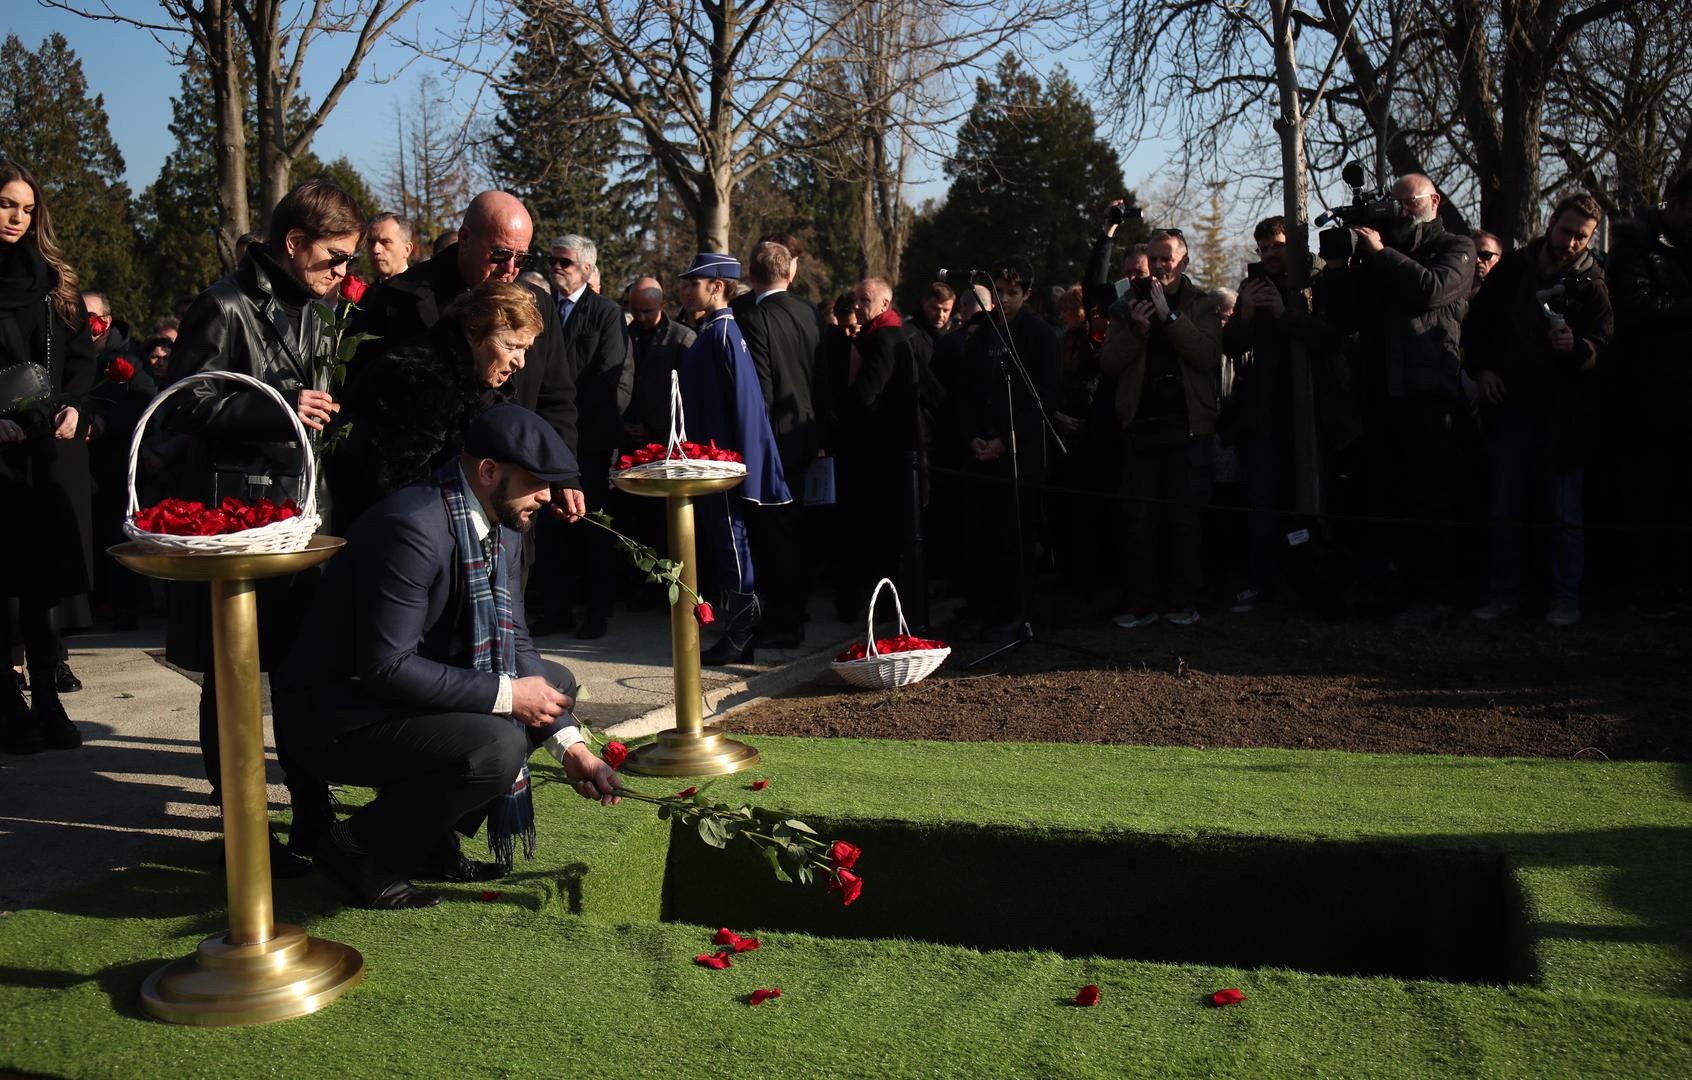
pixel 137 80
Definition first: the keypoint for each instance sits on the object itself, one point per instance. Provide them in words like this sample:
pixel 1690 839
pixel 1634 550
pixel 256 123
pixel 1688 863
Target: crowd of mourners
pixel 1149 448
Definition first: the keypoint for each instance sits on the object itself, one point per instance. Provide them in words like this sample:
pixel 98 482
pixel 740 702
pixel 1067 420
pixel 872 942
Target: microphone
pixel 965 276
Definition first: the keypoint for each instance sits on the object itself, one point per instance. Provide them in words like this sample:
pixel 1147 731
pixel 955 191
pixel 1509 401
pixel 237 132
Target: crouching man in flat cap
pixel 415 675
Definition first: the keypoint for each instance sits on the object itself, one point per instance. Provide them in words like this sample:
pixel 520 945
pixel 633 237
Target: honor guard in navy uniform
pixel 725 404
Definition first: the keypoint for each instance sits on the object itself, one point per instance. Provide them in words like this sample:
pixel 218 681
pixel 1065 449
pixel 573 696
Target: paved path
pixel 137 786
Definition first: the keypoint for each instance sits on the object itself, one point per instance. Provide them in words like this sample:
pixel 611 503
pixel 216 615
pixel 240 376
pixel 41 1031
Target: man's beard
pixel 1405 230
pixel 506 510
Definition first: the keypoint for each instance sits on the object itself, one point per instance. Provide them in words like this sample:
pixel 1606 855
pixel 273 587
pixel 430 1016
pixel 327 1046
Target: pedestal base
pixel 681 753
pixel 224 985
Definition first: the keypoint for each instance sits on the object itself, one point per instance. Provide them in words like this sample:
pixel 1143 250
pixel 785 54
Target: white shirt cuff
pixel 502 700
pixel 561 741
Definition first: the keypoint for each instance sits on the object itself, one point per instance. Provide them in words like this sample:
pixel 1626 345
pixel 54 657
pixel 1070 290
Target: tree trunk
pixel 1307 475
pixel 229 97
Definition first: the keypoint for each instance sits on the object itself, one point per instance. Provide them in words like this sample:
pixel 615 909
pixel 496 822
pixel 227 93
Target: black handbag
pixel 26 390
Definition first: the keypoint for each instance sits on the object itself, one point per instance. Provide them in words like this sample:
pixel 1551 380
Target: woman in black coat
pixel 406 409
pixel 44 553
pixel 259 321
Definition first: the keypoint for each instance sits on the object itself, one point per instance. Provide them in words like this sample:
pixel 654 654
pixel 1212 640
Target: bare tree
pixel 270 48
pixel 428 181
pixel 713 88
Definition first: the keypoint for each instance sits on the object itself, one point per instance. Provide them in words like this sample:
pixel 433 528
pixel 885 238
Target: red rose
pixel 761 996
pixel 759 785
pixel 715 963
pixel 353 289
pixel 848 885
pixel 1089 995
pixel 1227 997
pixel 120 371
pixel 725 936
pixel 844 856
pixel 702 612
pixel 685 794
pixel 615 754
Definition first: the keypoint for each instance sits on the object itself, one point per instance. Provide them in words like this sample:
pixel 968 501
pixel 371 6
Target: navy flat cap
pixel 709 264
pixel 512 435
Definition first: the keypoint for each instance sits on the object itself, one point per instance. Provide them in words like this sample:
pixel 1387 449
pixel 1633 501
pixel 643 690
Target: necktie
pixel 565 306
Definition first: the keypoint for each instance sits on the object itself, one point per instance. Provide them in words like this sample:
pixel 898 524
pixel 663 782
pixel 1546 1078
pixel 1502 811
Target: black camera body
pixel 1369 209
pixel 1117 213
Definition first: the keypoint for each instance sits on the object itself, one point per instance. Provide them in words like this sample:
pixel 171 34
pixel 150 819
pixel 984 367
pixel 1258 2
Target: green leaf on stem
pixel 774 859
pixel 795 823
pixel 675 593
pixel 323 313
pixel 712 832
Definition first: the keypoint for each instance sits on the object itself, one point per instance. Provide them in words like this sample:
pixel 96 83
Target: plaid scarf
pixel 493 648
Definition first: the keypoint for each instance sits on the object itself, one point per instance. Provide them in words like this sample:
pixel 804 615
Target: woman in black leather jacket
pixel 43 554
pixel 407 408
pixel 259 321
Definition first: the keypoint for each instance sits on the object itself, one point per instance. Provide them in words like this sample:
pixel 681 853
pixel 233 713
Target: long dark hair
pixel 66 297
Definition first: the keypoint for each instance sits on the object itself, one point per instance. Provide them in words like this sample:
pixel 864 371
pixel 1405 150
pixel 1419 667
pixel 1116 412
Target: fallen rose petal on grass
pixel 725 936
pixel 714 961
pixel 687 793
pixel 1227 997
pixel 760 996
pixel 491 895
pixel 745 944
pixel 759 785
pixel 1089 995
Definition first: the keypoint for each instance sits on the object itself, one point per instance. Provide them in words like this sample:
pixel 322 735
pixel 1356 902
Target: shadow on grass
pixel 122 985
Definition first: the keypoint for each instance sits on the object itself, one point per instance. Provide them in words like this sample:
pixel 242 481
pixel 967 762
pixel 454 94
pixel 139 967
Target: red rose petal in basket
pixel 1227 997
pixel 1089 995
pixel 760 996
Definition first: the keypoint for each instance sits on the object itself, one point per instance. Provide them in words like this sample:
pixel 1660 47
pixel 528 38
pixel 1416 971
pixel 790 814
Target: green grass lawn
pixel 575 972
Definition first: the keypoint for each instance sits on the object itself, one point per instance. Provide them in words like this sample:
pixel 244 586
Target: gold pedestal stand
pixel 689 748
pixel 258 970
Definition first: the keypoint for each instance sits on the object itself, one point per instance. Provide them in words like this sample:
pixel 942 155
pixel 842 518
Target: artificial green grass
pixel 571 974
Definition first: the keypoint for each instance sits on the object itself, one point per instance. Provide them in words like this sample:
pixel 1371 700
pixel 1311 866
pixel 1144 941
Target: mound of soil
pixel 1616 687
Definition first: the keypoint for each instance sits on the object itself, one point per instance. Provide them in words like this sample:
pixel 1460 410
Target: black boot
pixel 20 733
pixel 57 731
pixel 741 625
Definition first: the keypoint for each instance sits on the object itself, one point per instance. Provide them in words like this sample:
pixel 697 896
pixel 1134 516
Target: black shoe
pixel 20 731
pixel 592 627
pixel 284 863
pixel 57 731
pixel 314 816
pixel 724 652
pixel 65 680
pixel 371 885
pixel 461 870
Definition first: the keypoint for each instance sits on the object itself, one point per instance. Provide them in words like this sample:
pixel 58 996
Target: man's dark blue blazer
pixel 389 633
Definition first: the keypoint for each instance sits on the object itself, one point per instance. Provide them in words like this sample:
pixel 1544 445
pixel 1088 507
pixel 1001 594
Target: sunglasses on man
pixel 1485 256
pixel 499 256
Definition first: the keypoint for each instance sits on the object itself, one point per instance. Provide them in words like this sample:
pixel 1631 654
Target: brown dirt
pixel 1614 687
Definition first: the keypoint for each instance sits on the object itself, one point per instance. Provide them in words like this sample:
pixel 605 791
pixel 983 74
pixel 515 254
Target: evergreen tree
pixel 548 149
pixel 1210 266
pixel 60 134
pixel 1030 177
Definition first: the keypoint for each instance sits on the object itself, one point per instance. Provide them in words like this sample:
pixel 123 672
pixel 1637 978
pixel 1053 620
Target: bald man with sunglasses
pixel 493 243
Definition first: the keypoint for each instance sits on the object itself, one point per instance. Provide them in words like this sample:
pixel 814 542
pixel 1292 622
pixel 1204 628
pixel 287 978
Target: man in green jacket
pixel 1165 343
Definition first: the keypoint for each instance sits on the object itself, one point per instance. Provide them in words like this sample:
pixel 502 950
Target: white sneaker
pixel 1493 609
pixel 1563 613
pixel 1135 618
pixel 1181 617
pixel 1246 600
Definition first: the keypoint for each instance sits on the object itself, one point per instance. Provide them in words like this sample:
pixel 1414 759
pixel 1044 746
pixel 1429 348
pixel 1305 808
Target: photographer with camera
pixel 1165 344
pixel 1411 290
pixel 1532 340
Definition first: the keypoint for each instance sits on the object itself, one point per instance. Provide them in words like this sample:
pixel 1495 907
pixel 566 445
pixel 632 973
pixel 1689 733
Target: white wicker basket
pixel 678 467
pixel 883 671
pixel 277 537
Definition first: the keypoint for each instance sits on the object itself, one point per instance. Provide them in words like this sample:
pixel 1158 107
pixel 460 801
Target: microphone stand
pixel 1009 358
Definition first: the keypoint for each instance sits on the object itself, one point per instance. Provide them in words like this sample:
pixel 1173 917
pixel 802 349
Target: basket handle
pixel 898 607
pixel 678 419
pixel 307 509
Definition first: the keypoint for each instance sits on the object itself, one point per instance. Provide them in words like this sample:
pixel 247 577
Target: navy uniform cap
pixel 512 435
pixel 710 264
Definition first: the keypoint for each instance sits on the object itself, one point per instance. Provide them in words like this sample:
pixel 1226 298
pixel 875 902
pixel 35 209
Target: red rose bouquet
pixel 180 517
pixel 651 452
